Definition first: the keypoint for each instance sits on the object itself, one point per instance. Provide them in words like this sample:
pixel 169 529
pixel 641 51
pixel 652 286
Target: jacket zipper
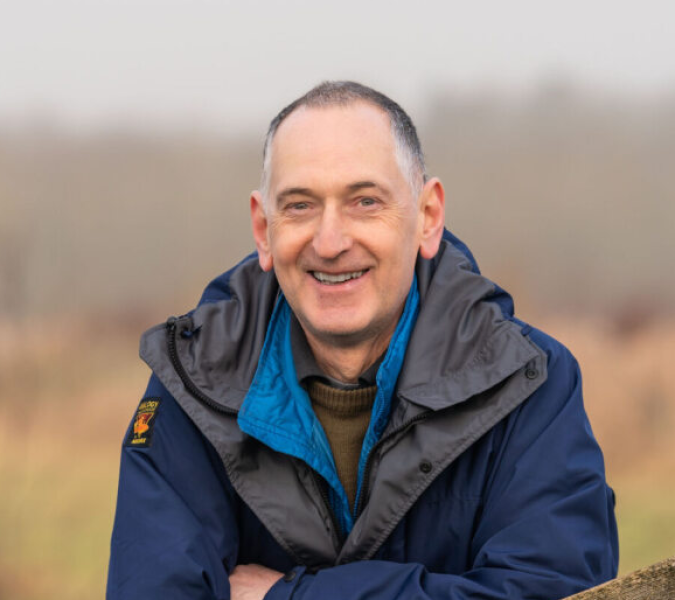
pixel 321 485
pixel 184 377
pixel 369 461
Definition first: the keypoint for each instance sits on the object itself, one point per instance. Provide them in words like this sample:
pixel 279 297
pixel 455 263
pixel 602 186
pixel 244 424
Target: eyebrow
pixel 359 185
pixel 295 191
pixel 302 191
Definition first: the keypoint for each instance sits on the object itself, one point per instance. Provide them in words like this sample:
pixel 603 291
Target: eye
pixel 296 207
pixel 367 201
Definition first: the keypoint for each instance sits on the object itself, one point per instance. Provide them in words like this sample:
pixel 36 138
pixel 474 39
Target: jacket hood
pixel 218 344
pixel 465 340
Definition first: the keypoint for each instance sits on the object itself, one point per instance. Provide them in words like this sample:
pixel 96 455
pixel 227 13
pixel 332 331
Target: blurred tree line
pixel 567 196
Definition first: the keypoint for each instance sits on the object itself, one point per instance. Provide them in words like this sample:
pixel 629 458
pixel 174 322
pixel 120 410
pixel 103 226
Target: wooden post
pixel 655 582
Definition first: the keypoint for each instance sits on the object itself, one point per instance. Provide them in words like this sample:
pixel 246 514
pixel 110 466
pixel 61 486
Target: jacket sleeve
pixel 175 534
pixel 547 529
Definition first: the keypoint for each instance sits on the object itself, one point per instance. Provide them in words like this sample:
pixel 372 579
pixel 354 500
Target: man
pixel 355 412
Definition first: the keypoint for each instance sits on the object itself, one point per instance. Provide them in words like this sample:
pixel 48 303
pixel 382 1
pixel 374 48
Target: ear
pixel 432 217
pixel 260 228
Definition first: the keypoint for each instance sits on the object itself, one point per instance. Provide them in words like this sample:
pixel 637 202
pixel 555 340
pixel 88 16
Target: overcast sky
pixel 232 65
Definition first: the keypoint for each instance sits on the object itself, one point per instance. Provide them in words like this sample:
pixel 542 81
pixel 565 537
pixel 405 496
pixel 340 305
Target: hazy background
pixel 130 138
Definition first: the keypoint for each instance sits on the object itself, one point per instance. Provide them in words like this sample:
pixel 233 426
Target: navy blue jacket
pixel 484 481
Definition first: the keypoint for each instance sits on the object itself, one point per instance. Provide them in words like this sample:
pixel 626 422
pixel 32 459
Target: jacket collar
pixel 220 343
pixel 463 343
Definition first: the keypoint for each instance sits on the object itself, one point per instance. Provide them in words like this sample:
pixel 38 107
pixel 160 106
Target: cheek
pixel 286 254
pixel 401 248
pixel 288 240
pixel 281 245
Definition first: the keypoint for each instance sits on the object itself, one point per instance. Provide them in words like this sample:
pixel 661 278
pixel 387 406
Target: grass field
pixel 68 390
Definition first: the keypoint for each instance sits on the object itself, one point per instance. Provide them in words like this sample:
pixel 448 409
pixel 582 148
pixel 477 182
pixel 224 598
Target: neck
pixel 346 363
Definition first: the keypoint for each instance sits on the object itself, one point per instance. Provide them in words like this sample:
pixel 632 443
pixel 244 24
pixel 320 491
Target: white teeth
pixel 340 278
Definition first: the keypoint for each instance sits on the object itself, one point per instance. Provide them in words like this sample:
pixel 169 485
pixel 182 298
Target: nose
pixel 331 237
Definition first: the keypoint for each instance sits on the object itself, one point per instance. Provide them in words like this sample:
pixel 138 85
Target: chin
pixel 342 333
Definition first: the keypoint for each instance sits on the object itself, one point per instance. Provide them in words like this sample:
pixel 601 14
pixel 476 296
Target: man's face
pixel 340 226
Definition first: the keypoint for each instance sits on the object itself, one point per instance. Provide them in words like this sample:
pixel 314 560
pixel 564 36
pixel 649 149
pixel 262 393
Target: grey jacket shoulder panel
pixel 462 345
pixel 219 343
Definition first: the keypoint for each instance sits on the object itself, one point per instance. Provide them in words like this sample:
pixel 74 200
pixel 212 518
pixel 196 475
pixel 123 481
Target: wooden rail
pixel 655 582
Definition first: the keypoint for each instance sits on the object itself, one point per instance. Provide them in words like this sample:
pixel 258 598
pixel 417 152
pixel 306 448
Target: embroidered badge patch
pixel 140 435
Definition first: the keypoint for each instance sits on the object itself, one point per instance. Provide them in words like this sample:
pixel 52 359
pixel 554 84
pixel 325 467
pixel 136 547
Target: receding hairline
pixel 343 106
pixel 413 174
pixel 343 94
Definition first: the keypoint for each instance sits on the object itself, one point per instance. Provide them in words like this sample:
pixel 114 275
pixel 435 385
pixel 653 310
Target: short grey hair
pixel 342 93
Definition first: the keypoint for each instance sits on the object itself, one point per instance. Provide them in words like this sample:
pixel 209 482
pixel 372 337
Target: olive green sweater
pixel 344 416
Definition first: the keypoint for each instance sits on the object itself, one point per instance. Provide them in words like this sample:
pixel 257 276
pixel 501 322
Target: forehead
pixel 338 139
pixel 356 114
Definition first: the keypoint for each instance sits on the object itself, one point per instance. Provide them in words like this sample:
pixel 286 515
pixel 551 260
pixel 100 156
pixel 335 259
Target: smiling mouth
pixel 334 279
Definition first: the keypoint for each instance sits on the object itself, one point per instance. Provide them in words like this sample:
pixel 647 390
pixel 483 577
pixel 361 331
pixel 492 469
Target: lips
pixel 336 278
